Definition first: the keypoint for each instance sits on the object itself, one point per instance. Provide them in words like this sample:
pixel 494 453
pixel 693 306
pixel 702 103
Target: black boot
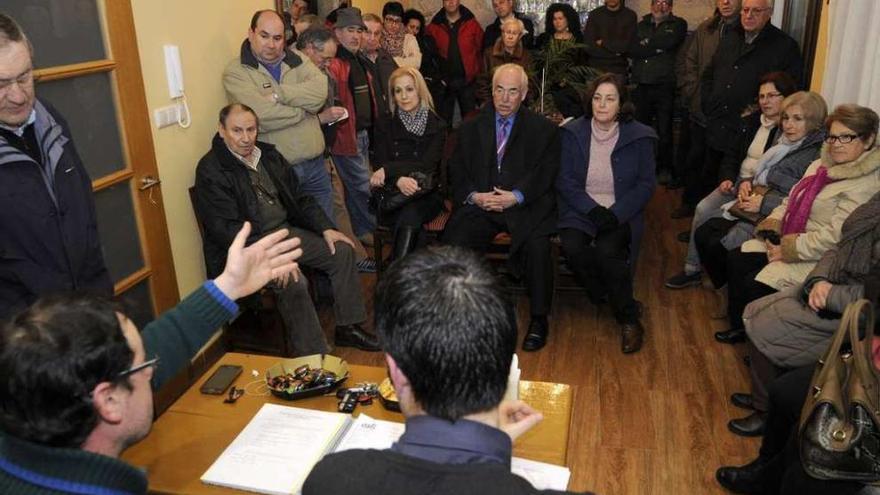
pixel 744 479
pixel 405 241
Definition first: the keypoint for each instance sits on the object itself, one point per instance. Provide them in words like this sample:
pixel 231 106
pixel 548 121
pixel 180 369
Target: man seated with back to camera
pixel 78 378
pixel 449 333
pixel 244 180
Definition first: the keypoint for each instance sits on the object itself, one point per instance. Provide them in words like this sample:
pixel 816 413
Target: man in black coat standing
pixel 48 229
pixel 244 180
pixel 753 48
pixel 502 174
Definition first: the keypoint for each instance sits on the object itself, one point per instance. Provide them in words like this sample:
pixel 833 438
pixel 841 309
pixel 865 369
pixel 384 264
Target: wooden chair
pixel 258 328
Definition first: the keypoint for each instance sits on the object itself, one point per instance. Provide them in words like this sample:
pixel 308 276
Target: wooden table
pixel 195 430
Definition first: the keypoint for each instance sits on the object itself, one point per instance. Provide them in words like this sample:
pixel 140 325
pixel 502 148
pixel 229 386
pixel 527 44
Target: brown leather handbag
pixel 840 421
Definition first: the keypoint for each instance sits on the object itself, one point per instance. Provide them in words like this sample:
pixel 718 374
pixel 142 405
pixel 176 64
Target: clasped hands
pixel 407 185
pixel 746 199
pixel 497 200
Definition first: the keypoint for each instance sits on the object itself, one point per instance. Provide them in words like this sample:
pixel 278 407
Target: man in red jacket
pixel 459 40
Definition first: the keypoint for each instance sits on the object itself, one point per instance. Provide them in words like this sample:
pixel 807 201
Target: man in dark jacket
pixel 753 48
pixel 48 230
pixel 502 174
pixel 449 332
pixel 608 35
pixel 504 10
pixel 697 54
pixel 242 180
pixel 653 52
pixel 459 40
pixel 380 64
pixel 78 376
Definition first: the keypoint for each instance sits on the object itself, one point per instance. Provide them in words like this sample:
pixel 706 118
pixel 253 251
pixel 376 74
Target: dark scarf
pixel 859 233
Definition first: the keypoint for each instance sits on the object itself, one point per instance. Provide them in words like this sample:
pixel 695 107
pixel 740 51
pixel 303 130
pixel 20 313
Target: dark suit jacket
pixel 730 82
pixel 225 199
pixel 530 165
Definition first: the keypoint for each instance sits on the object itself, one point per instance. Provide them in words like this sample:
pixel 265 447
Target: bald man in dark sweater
pixel 608 33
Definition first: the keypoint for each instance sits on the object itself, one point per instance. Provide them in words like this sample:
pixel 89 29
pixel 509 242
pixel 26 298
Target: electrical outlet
pixel 166 116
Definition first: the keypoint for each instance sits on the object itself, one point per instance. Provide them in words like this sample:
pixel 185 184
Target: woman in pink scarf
pixel 792 239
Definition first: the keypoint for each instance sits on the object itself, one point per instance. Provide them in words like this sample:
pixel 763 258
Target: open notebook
pixel 276 451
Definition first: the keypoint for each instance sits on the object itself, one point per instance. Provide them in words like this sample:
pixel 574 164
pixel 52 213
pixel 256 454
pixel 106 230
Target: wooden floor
pixel 654 422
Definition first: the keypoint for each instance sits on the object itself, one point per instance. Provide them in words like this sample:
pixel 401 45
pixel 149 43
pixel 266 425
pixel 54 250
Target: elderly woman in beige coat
pixel 809 223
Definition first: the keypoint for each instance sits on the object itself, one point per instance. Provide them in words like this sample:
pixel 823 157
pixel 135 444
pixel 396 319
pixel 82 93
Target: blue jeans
pixel 708 207
pixel 355 174
pixel 314 180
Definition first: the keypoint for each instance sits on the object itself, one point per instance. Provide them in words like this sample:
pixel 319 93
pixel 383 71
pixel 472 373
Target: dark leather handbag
pixel 840 422
pixel 388 198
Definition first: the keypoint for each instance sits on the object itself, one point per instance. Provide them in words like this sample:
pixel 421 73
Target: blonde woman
pixel 409 147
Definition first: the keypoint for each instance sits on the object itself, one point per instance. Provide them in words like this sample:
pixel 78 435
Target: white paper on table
pixel 369 433
pixel 277 449
pixel 541 475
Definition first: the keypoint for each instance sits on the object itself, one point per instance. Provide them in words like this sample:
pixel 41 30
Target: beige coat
pixel 854 184
pixel 287 110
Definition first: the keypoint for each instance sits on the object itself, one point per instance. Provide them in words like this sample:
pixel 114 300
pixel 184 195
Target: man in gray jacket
pixel 286 91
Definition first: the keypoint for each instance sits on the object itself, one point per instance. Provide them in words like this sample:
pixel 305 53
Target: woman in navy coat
pixel 605 180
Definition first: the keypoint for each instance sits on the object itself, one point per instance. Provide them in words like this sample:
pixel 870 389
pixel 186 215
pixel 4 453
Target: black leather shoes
pixel 744 401
pixel 536 337
pixel 631 337
pixel 752 425
pixel 734 336
pixel 743 479
pixel 355 336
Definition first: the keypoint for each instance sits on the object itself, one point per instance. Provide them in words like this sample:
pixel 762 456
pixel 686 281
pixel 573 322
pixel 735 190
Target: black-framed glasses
pixel 393 19
pixel 150 363
pixel 842 139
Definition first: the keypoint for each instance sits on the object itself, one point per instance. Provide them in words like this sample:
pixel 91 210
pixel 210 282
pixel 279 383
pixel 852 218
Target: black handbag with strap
pixel 840 422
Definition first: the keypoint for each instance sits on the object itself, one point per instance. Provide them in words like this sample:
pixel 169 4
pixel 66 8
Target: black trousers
pixel 742 288
pixel 713 254
pixel 654 104
pixel 785 475
pixel 709 174
pixel 464 94
pixel 601 265
pixel 682 145
pixel 474 228
pixel 693 171
pixel 413 214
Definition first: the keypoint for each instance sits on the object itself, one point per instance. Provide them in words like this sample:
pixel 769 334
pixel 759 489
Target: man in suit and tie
pixel 502 175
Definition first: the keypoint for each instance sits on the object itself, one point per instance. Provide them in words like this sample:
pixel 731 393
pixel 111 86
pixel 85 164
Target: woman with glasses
pixel 759 132
pixel 396 40
pixel 409 148
pixel 789 245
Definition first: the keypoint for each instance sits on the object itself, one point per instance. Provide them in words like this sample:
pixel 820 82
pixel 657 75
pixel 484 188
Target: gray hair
pixel 515 67
pixel 317 36
pixel 515 21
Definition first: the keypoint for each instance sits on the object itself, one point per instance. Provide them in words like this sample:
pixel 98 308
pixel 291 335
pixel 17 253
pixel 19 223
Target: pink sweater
pixel 600 176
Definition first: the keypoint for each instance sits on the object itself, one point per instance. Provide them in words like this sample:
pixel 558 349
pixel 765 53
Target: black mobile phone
pixel 221 379
pixel 770 235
